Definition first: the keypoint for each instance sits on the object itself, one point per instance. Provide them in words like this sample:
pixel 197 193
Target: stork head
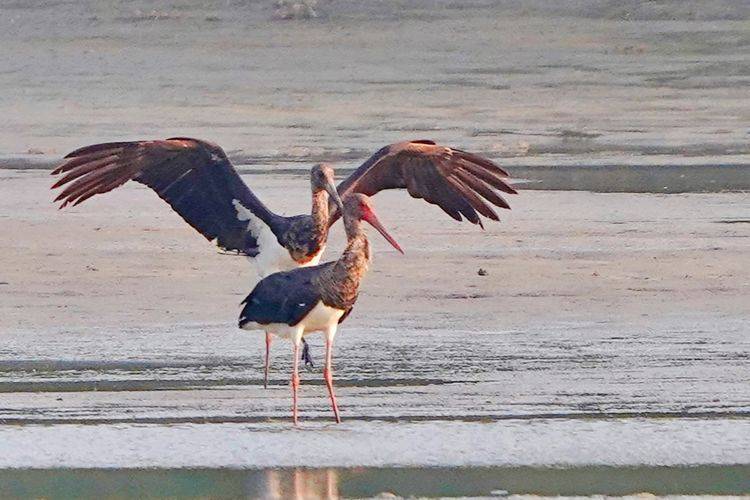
pixel 358 206
pixel 321 179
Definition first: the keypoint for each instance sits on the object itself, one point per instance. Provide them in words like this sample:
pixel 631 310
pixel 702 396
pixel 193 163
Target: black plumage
pixel 199 182
pixel 460 183
pixel 195 177
pixel 285 303
pixel 284 297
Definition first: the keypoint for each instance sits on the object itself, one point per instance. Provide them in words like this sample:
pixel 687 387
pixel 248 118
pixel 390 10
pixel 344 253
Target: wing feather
pixel 493 179
pixel 194 177
pixel 459 182
pixel 472 198
pixel 482 188
pixel 86 166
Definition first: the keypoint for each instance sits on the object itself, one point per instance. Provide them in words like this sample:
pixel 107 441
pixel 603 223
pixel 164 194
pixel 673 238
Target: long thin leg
pixel 295 380
pixel 268 360
pixel 328 374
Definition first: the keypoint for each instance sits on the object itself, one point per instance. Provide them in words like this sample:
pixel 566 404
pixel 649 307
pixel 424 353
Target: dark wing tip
pixel 97 148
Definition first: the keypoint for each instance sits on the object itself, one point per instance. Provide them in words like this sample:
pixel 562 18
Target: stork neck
pixel 356 257
pixel 353 228
pixel 340 282
pixel 320 213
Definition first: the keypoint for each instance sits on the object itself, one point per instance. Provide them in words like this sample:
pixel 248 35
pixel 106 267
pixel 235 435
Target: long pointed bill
pixel 372 219
pixel 331 190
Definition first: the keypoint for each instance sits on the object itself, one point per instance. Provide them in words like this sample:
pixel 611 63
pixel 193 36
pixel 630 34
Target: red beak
pixel 372 219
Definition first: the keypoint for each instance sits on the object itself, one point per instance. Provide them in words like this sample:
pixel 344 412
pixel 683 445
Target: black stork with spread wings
pixel 199 182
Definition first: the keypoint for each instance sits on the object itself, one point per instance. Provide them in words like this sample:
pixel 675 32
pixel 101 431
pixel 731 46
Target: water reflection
pixel 368 482
pixel 300 484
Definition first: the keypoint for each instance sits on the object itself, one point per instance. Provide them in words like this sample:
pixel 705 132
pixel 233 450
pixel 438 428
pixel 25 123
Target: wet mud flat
pixel 604 350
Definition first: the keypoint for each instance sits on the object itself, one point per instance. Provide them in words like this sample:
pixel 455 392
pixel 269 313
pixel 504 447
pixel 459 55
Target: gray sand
pixel 611 307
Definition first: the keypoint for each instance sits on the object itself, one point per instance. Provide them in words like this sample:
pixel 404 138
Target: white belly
pixel 321 318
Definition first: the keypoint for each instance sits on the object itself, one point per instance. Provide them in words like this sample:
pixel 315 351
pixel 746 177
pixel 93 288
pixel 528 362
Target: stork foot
pixel 306 355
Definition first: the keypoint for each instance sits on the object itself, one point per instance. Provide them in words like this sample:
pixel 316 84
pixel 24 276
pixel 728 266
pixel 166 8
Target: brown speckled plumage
pixel 339 283
pixel 307 234
pixel 287 297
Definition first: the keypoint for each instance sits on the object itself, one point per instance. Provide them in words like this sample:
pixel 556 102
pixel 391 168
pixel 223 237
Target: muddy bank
pixel 126 259
pixel 584 301
pixel 605 329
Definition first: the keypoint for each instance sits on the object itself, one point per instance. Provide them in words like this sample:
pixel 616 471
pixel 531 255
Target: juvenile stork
pixel 199 182
pixel 292 304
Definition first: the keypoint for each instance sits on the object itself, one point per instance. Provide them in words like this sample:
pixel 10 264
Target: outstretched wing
pixel 195 177
pixel 458 182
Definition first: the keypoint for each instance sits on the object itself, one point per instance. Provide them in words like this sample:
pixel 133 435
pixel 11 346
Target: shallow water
pixel 562 409
pixel 366 482
pixel 189 373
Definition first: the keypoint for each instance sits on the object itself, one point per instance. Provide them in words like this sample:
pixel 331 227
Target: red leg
pixel 328 376
pixel 295 382
pixel 268 359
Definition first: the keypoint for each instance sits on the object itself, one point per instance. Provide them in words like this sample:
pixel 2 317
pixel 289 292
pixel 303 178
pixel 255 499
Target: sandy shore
pixel 125 259
pixel 614 325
